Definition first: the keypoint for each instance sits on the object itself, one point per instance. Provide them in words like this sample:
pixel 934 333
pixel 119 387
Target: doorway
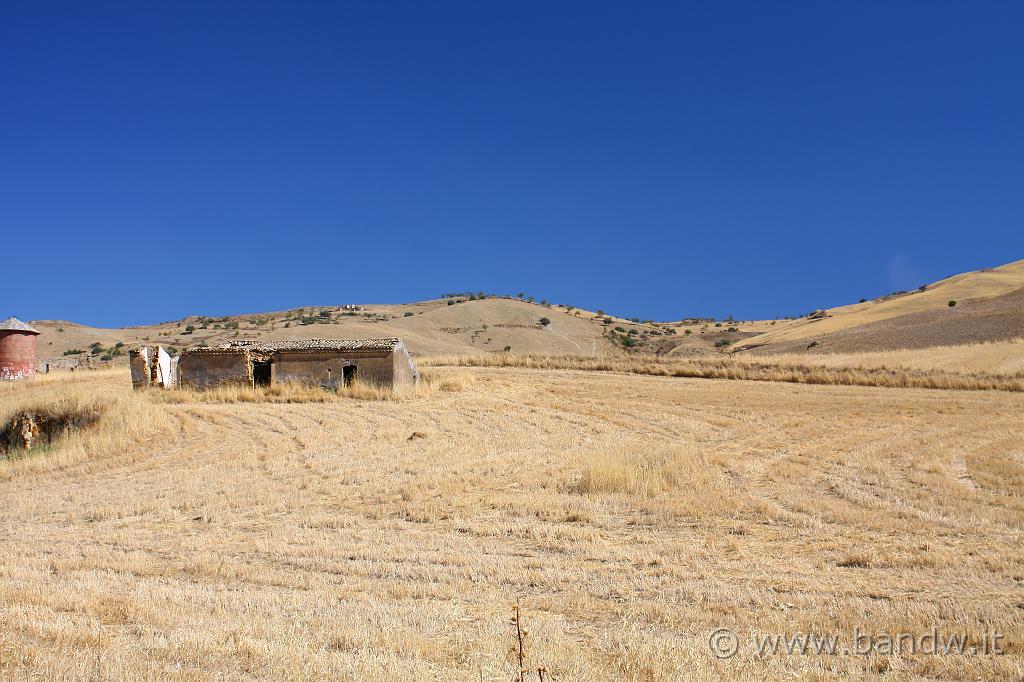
pixel 350 374
pixel 261 373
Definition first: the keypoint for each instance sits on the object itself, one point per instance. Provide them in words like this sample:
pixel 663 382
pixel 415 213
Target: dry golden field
pixel 242 536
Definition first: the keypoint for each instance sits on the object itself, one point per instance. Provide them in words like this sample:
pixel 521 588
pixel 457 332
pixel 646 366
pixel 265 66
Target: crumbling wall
pixel 205 368
pixel 322 369
pixel 376 369
pixel 404 372
pixel 151 367
pixel 162 368
pixel 138 361
pixel 49 364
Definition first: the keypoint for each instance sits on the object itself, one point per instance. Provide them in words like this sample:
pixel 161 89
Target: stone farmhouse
pixel 329 363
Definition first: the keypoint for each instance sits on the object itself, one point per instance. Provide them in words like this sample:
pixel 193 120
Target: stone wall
pixel 404 371
pixel 152 367
pixel 323 369
pixel 377 369
pixel 69 362
pixel 138 362
pixel 209 368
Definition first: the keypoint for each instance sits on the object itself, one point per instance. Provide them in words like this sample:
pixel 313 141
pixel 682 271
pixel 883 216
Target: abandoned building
pixel 17 350
pixel 329 363
pixel 151 367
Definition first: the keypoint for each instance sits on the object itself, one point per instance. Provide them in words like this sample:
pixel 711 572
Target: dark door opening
pixel 261 373
pixel 350 374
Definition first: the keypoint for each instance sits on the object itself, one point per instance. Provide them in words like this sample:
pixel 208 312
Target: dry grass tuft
pixel 432 382
pixel 41 424
pixel 118 423
pixel 680 478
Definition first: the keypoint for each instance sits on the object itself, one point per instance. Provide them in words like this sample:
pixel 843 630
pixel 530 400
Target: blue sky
pixel 660 161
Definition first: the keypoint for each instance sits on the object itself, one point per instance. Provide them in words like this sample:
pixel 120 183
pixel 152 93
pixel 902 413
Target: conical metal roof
pixel 12 324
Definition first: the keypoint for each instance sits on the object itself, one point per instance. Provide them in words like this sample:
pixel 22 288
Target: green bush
pixel 952 304
pixel 408 315
pixel 544 321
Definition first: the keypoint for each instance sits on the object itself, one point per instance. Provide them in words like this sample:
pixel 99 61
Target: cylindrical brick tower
pixel 17 350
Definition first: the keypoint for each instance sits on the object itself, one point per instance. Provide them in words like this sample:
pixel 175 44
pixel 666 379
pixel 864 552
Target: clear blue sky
pixel 655 160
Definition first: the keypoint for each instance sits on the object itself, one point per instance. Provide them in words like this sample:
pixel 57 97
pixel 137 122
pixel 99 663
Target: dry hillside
pixel 428 327
pixel 989 307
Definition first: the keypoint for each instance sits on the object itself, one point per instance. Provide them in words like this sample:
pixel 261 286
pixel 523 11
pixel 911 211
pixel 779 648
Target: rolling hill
pixel 986 305
pixel 989 306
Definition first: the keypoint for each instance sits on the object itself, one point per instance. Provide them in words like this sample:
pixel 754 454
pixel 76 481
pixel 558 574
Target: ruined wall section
pixel 321 369
pixel 205 368
pixel 404 370
pixel 374 369
pixel 138 362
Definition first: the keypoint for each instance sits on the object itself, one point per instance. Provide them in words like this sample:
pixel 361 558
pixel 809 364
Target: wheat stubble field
pixel 631 515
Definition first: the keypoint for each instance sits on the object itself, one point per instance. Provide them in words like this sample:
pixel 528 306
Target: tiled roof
pixel 220 350
pixel 12 324
pixel 314 345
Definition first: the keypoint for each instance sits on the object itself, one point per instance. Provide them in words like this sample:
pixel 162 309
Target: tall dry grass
pixel 749 368
pixel 431 382
pixel 999 358
pixel 682 478
pixel 124 423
